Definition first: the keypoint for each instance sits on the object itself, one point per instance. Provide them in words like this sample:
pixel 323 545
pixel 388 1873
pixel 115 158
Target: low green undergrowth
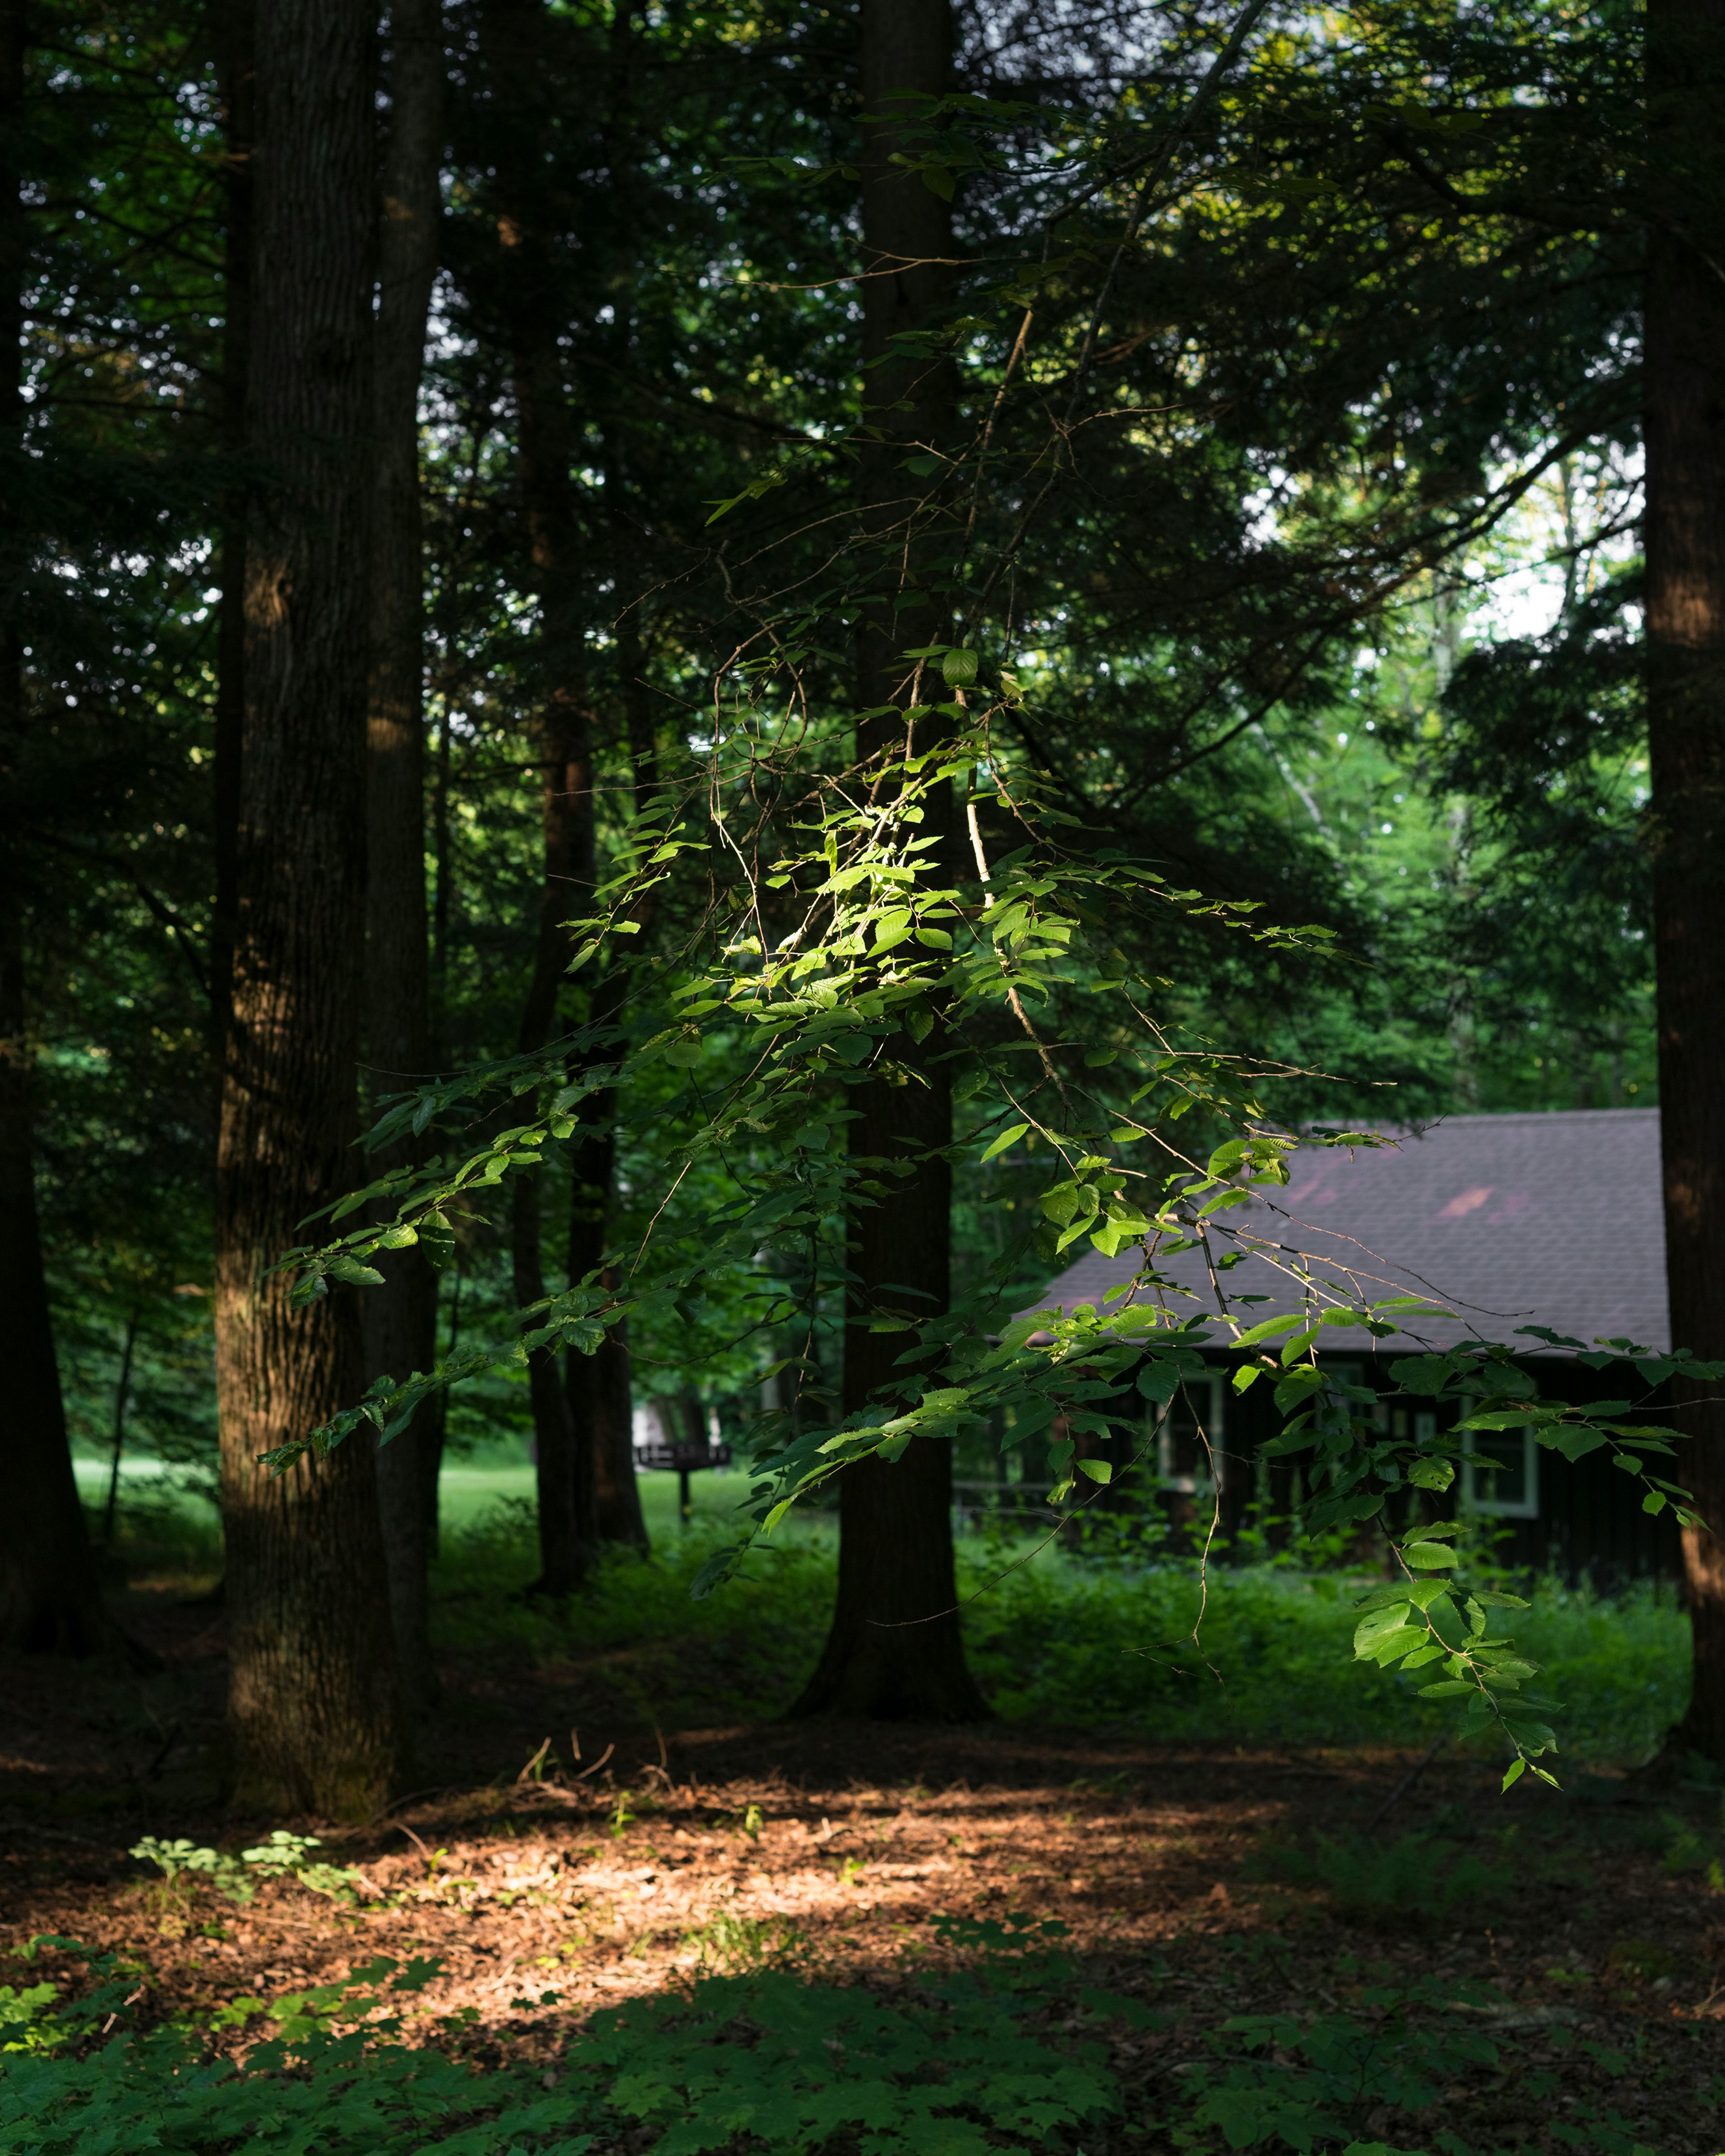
pixel 1389 1884
pixel 1006 2053
pixel 1321 2082
pixel 959 2067
pixel 1091 1638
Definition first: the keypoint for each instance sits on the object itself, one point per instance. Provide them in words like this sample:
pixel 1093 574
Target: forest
pixel 754 763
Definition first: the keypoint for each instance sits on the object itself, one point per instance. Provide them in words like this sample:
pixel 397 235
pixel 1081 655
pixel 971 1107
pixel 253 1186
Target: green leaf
pixel 1429 1556
pixel 354 1273
pixel 1517 1768
pixel 958 668
pixel 1377 1626
pixel 1009 1137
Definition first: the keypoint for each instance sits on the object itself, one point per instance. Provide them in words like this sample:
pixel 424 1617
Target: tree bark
pixel 237 71
pixel 895 1651
pixel 49 1599
pixel 599 1387
pixel 1685 541
pixel 563 745
pixel 563 738
pixel 401 1316
pixel 315 1706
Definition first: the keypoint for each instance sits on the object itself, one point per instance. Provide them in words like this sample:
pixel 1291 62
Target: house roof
pixel 1550 1219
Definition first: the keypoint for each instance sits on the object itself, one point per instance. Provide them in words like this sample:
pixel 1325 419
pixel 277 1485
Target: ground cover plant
pixel 1147 1940
pixel 1088 1632
pixel 937 1941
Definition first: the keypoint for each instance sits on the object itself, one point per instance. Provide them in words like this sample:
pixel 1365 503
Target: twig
pixel 402 1827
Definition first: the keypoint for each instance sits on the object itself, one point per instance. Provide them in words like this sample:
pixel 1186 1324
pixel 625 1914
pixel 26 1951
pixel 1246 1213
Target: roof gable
pixel 1550 1219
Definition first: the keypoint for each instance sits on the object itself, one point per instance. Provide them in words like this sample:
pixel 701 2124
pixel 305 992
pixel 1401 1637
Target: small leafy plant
pixel 184 1865
pixel 730 1944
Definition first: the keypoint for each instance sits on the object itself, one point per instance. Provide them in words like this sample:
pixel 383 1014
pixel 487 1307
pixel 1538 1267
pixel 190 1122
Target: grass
pixel 1093 1637
pixel 1090 1640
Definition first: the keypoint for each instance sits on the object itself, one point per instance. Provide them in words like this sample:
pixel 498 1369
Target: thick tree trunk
pixel 315 1706
pixel 1684 537
pixel 896 1649
pixel 401 1316
pixel 237 66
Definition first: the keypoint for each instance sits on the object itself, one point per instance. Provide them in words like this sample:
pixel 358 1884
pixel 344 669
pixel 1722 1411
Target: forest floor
pixel 1205 1882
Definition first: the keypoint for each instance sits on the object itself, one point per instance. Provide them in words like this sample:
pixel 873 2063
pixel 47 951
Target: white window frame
pixel 1525 1508
pixel 1215 1426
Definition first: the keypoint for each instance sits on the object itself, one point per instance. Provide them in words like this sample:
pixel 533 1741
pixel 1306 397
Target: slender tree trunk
pixel 315 1705
pixel 599 1387
pixel 563 740
pixel 401 1316
pixel 50 1601
pixel 895 1651
pixel 1684 537
pixel 122 1400
pixel 563 736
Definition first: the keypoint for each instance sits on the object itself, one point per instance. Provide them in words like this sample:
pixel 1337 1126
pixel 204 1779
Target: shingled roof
pixel 1549 1219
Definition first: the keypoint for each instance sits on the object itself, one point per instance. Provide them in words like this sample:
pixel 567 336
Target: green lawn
pixel 1097 1638
pixel 466 1492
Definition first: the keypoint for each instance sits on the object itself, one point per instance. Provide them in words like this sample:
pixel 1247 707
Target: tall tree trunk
pixel 895 1651
pixel 563 738
pixel 315 1705
pixel 600 1387
pixel 401 1316
pixel 563 742
pixel 50 1601
pixel 1685 538
pixel 236 25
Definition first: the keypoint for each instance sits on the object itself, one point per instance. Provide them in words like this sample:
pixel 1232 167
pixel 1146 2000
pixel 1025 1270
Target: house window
pixel 1510 1486
pixel 1182 1461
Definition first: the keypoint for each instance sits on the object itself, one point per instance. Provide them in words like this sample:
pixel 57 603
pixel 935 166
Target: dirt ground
pixel 547 1888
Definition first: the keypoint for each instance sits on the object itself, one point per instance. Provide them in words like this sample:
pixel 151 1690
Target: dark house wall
pixel 1589 1523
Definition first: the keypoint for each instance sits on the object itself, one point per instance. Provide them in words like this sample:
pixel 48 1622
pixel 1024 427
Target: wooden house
pixel 1508 1221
